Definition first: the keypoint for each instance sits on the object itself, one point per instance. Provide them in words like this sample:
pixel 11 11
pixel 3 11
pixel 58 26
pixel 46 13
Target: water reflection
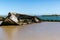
pixel 9 32
pixel 3 35
pixel 39 31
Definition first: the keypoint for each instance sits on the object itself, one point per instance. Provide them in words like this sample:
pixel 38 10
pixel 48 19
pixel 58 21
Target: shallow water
pixel 37 31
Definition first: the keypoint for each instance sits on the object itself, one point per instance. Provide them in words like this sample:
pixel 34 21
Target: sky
pixel 30 7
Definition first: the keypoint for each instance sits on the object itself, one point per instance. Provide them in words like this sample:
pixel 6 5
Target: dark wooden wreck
pixel 19 19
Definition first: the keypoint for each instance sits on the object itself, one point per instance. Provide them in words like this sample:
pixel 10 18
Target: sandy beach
pixel 37 31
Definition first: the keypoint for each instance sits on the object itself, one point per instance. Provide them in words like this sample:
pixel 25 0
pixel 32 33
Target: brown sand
pixel 37 31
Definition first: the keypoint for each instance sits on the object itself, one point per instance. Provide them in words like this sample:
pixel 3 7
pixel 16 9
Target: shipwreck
pixel 19 19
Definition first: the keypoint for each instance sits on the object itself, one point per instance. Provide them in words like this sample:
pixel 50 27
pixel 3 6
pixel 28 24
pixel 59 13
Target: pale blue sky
pixel 31 7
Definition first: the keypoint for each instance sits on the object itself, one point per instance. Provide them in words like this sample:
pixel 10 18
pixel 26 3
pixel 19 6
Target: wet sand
pixel 37 31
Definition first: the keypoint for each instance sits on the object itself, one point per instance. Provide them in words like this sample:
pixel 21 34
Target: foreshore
pixel 35 31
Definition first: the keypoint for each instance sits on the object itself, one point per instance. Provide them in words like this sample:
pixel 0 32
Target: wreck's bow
pixel 10 20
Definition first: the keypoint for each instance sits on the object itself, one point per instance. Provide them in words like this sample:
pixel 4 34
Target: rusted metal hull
pixel 18 19
pixel 11 19
pixel 8 21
